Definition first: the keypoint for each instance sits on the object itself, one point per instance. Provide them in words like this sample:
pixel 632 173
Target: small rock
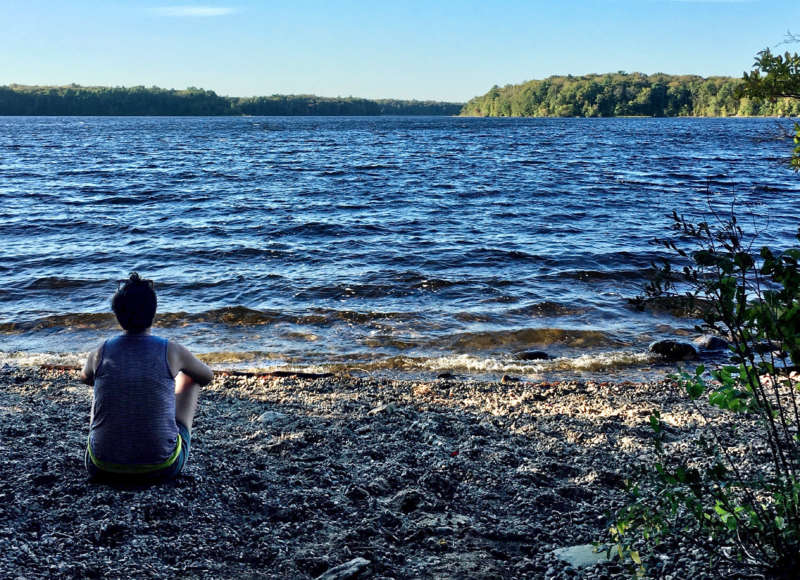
pixel 440 484
pixel 378 486
pixel 271 417
pixel 551 501
pixel 575 493
pixel 388 409
pixel 44 479
pixel 347 571
pixel 673 350
pixel 580 556
pixel 311 564
pixel 510 379
pixel 357 493
pixel 407 500
pixel 446 376
pixel 112 533
pixel 531 355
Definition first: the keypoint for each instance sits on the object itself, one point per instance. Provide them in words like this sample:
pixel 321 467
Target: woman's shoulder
pixel 175 346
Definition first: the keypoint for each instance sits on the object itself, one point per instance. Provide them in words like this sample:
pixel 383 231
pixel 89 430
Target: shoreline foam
pixel 616 365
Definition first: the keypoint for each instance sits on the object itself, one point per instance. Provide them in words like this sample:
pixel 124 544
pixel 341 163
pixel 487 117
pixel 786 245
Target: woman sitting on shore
pixel 145 394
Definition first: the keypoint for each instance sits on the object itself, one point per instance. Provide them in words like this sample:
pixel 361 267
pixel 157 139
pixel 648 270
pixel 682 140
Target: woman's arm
pixel 180 359
pixel 87 374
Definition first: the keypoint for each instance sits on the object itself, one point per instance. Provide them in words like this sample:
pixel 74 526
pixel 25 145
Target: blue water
pixel 391 245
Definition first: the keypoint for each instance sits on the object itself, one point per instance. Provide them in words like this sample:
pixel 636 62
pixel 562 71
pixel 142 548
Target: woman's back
pixel 133 414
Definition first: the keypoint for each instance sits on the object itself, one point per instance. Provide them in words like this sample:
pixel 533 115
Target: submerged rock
pixel 710 342
pixel 766 347
pixel 673 350
pixel 531 355
pixel 678 306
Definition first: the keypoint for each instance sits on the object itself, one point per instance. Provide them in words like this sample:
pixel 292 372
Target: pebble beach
pixel 337 477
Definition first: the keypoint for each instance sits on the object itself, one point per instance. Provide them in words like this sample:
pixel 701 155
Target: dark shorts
pixel 97 474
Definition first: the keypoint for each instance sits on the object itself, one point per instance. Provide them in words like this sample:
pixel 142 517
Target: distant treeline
pixel 623 94
pixel 78 100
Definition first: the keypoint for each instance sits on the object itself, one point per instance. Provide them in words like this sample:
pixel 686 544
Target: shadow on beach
pixel 290 478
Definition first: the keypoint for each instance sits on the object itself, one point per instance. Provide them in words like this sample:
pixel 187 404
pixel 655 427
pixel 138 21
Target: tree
pixel 776 76
pixel 139 100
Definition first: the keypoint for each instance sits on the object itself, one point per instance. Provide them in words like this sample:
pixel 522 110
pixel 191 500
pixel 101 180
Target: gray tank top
pixel 133 411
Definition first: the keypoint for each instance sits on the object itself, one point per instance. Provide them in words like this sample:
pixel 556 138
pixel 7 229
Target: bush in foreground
pixel 736 492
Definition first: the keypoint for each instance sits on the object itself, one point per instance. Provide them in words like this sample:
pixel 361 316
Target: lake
pixel 390 246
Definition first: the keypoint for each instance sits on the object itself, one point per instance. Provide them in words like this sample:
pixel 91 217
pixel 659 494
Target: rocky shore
pixel 336 477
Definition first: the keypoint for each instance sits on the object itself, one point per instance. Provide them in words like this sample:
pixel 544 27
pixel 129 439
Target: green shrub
pixel 736 492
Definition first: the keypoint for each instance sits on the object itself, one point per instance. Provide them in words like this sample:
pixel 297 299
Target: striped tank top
pixel 133 410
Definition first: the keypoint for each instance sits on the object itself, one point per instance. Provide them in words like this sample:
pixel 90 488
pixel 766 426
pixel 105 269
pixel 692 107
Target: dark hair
pixel 134 303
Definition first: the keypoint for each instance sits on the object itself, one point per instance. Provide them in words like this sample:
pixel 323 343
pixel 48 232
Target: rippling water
pixel 400 245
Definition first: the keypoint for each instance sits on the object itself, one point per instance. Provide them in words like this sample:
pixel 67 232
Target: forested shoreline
pixel 607 95
pixel 627 94
pixel 101 101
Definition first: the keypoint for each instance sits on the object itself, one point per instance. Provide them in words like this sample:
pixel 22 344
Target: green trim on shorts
pixel 138 468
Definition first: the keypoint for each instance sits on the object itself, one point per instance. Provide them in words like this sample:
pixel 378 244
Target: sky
pixel 406 49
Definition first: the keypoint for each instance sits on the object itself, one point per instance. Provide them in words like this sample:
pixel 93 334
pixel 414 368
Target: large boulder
pixel 673 350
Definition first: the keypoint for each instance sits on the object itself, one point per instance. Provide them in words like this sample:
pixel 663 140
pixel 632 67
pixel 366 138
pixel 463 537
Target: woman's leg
pixel 186 393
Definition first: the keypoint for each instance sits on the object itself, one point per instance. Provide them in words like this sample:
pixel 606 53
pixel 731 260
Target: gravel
pixel 338 477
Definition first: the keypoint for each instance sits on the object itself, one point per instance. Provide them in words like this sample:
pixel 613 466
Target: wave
pixel 227 316
pixel 468 364
pixel 238 253
pixel 373 166
pixel 84 321
pixel 471 364
pixel 232 316
pixel 323 230
pixel 547 308
pixel 92 172
pixel 499 255
pixel 15 174
pixel 388 285
pixel 56 282
pixel 418 281
pixel 36 359
pixel 523 338
pixel 344 291
pixel 619 275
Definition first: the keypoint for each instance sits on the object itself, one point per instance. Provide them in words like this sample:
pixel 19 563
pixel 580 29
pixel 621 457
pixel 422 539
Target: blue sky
pixel 443 50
